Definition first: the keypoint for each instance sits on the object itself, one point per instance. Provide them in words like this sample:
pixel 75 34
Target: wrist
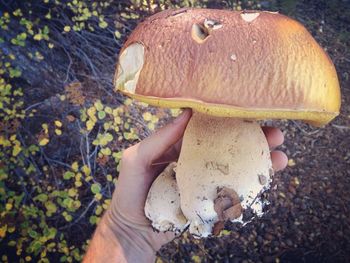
pixel 133 240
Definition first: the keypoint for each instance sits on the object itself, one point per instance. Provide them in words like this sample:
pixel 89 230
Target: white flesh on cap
pixel 129 67
pixel 220 153
pixel 163 203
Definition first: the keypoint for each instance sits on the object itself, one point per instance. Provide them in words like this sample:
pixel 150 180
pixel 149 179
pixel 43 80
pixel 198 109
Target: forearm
pixel 115 242
pixel 104 247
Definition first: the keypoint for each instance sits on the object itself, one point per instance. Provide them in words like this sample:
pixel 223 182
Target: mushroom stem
pixel 221 153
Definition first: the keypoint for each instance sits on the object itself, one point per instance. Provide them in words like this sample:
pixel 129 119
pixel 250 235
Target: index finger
pixel 274 136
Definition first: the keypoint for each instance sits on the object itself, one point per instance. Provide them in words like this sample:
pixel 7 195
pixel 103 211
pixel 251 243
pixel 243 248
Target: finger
pixel 274 136
pixel 279 160
pixel 171 155
pixel 162 140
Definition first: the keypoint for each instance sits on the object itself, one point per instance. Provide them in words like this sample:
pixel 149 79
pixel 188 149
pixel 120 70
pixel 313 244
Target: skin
pixel 124 234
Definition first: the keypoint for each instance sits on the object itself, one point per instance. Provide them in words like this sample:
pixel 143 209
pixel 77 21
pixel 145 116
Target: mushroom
pixel 232 69
pixel 163 203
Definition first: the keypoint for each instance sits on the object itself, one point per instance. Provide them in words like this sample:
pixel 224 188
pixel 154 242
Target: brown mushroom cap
pixel 257 65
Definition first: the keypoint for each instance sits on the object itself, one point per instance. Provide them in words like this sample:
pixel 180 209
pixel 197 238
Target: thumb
pixel 158 143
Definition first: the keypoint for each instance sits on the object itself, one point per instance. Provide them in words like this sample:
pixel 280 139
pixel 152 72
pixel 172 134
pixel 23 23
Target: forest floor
pixel 307 219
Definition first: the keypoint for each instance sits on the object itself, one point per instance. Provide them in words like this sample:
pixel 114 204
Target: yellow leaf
pixel 45 127
pixel 90 125
pixel 117 120
pixel 127 101
pixel 291 162
pixel 115 112
pixel 86 170
pixel 58 132
pixel 3 230
pixel 11 229
pixel 147 116
pixel 107 126
pixel 75 166
pixel 58 123
pixel 103 24
pixel 109 178
pixel 154 119
pixel 8 206
pixel 88 178
pixel 98 197
pixel 175 112
pixel 72 192
pixel 66 28
pixel 16 150
pixel 117 34
pixel 91 113
pixel 196 259
pixel 143 104
pixel 38 55
pixel 51 45
pixel 108 110
pixel 151 126
pixel 38 37
pixel 98 105
pixel 106 151
pixel 44 141
pixel 224 232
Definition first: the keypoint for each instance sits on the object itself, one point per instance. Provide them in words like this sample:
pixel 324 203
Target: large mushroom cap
pixel 257 65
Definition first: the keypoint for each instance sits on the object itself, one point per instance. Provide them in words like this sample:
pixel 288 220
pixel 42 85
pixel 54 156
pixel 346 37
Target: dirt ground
pixel 308 216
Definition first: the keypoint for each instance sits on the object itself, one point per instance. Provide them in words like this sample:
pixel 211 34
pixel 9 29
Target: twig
pixel 341 127
pixel 306 132
pixel 33 105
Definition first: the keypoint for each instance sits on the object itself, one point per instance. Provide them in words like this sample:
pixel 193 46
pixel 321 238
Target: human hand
pixel 126 215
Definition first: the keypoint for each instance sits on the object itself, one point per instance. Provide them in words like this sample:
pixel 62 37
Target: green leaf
pixel 93 220
pixel 15 73
pixel 12 243
pixel 52 233
pixel 63 259
pixel 32 233
pixel 101 115
pixel 95 188
pixel 68 202
pixel 51 208
pixel 68 175
pixel 41 198
pixel 35 246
